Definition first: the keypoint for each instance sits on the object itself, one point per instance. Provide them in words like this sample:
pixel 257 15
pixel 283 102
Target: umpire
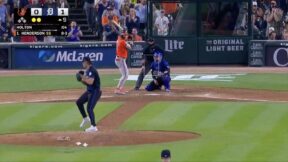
pixel 148 53
pixel 93 93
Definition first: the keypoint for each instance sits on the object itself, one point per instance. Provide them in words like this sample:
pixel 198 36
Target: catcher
pixel 148 52
pixel 160 73
pixel 91 79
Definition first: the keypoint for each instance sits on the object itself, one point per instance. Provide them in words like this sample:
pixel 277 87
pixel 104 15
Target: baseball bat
pixel 118 25
pixel 131 43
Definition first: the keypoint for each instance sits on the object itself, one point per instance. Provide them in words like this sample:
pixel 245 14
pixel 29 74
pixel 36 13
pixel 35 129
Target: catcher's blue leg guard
pixel 151 86
pixel 166 82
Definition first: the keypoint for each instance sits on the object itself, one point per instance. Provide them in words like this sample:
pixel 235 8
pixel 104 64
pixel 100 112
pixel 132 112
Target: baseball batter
pixel 160 73
pixel 93 93
pixel 122 48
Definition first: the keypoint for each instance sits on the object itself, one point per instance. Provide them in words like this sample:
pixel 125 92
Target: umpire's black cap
pixel 87 59
pixel 150 40
pixel 165 154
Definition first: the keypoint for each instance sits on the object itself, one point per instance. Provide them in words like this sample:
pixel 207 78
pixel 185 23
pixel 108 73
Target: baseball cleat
pixel 91 129
pixel 84 122
pixel 119 92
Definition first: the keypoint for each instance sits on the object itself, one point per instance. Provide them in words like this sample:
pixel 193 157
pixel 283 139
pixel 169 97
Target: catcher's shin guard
pixel 166 82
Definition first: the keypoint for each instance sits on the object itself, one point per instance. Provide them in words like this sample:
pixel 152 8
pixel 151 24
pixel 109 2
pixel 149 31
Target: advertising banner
pixel 54 56
pixel 179 51
pixel 223 50
pixel 277 54
pixel 136 54
pixel 256 53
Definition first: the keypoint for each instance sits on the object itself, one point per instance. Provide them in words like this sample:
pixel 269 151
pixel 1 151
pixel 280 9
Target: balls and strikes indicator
pixel 33 19
pixel 39 19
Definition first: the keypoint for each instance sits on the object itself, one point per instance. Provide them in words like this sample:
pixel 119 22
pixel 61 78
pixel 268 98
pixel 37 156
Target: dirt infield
pixel 176 70
pixel 101 138
pixel 109 135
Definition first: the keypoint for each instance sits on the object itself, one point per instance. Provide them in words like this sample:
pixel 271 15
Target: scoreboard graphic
pixel 41 21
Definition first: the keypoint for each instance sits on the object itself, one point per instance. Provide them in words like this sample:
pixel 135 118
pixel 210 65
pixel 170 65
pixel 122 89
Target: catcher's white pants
pixel 122 66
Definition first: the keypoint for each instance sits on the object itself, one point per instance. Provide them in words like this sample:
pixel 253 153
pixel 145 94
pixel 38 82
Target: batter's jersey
pixel 121 49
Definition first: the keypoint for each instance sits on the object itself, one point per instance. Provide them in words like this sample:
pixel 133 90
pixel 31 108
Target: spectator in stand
pixel 115 10
pixel 134 2
pixel 254 10
pixel 260 25
pixel 100 7
pixel 117 4
pixel 23 3
pixel 109 14
pixel 74 32
pixel 161 24
pixel 132 21
pixel 141 12
pixel 28 38
pixel 34 4
pixel 10 7
pixel 124 11
pixel 283 5
pixel 285 28
pixel 264 4
pixel 62 4
pixel 134 36
pixel 50 4
pixel 4 37
pixel 78 3
pixel 272 35
pixel 49 39
pixel 13 36
pixel 125 7
pixel 90 14
pixel 4 18
pixel 110 32
pixel 274 17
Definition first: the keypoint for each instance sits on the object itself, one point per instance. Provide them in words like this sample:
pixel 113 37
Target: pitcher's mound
pixel 101 138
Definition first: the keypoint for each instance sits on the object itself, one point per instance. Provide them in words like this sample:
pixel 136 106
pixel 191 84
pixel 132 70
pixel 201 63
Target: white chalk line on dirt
pixel 211 96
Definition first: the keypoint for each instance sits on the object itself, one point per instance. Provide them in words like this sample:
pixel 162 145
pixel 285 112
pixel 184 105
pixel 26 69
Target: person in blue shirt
pixel 74 32
pixel 93 93
pixel 160 74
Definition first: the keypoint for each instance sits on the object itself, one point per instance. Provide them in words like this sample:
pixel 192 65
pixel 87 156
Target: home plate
pixel 152 94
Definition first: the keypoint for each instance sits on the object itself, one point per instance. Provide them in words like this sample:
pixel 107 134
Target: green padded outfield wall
pixel 202 32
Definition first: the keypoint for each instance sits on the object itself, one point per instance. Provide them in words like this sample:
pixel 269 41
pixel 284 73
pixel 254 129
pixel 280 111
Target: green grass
pixel 231 132
pixel 31 117
pixel 277 82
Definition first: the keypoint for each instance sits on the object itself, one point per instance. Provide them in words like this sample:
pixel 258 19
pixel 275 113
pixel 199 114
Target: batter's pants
pixel 92 99
pixel 122 66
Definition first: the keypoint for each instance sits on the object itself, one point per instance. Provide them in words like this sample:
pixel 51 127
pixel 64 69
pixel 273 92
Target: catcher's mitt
pixel 79 75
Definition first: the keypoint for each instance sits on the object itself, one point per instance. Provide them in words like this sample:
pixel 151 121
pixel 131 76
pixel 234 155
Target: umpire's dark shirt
pixel 92 73
pixel 149 52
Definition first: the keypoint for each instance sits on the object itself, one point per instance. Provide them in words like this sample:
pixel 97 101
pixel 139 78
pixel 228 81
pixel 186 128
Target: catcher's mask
pixel 157 56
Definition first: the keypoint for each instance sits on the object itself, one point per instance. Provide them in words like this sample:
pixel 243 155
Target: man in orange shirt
pixel 107 14
pixel 121 55
pixel 170 8
pixel 135 36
